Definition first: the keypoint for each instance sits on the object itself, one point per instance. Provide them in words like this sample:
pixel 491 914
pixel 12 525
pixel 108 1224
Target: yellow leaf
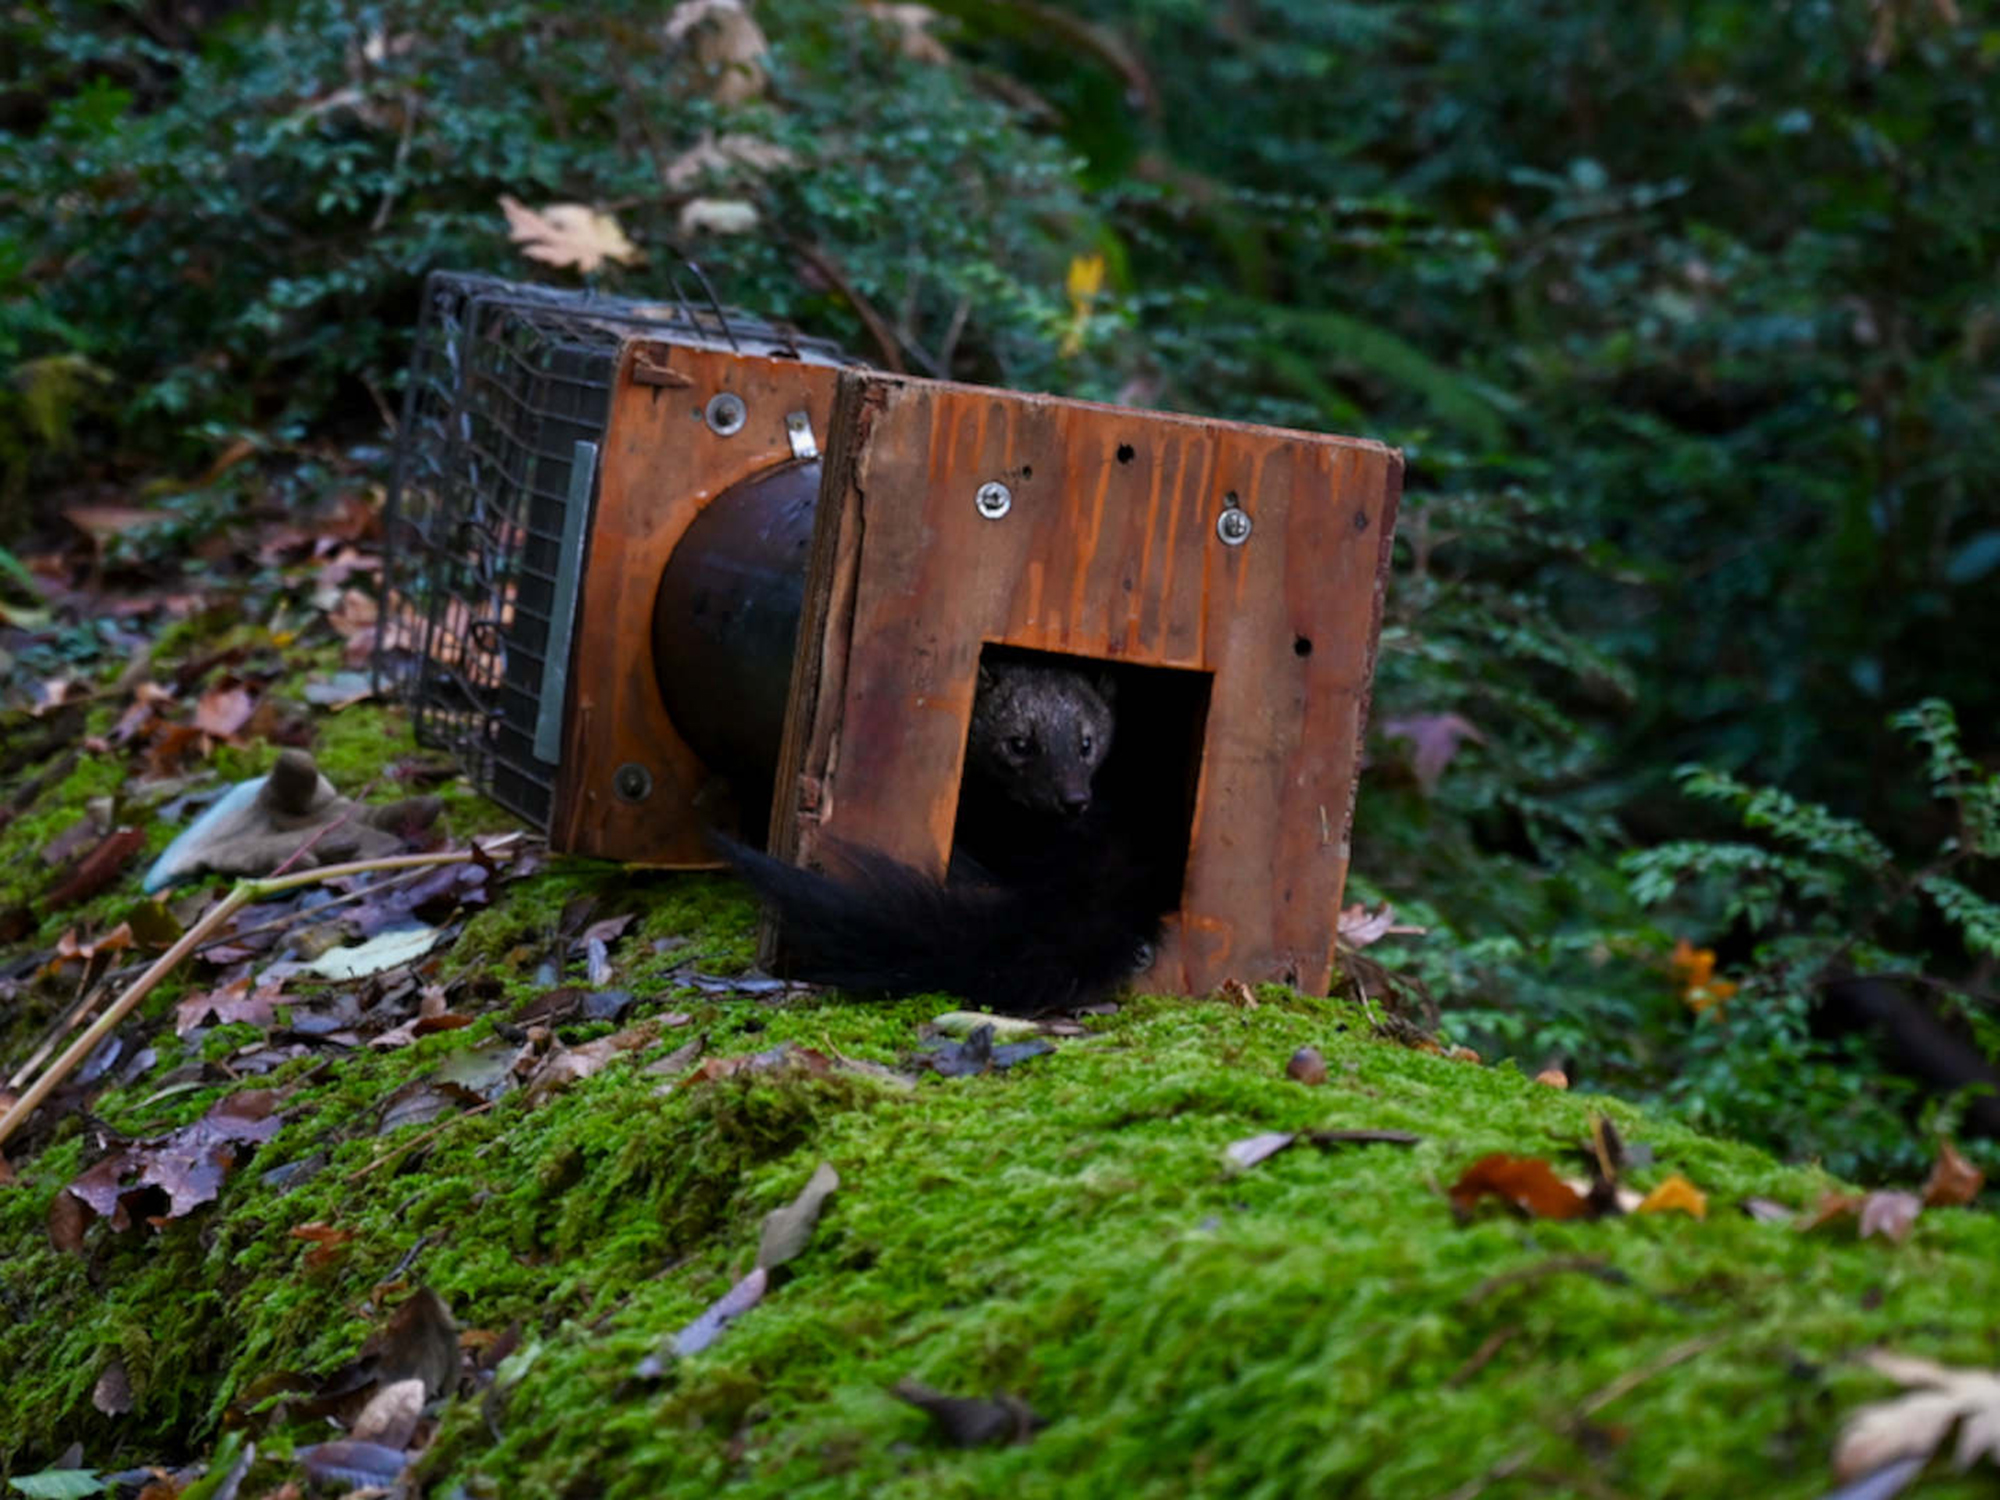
pixel 1675 1195
pixel 1086 280
pixel 1086 277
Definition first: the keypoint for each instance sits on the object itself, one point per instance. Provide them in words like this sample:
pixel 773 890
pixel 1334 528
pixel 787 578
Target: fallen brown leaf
pixel 1954 1181
pixel 419 1342
pixel 187 1167
pixel 1528 1184
pixel 98 868
pixel 224 709
pixel 327 1243
pixel 1890 1214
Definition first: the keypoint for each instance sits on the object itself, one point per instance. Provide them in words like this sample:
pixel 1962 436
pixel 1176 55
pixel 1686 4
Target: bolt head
pixel 726 413
pixel 994 500
pixel 1233 526
pixel 632 782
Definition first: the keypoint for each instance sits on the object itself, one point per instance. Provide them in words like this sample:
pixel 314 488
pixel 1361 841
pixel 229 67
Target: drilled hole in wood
pixel 1125 453
pixel 1303 646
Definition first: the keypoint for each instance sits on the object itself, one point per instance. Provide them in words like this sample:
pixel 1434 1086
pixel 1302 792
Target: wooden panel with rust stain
pixel 660 467
pixel 1110 550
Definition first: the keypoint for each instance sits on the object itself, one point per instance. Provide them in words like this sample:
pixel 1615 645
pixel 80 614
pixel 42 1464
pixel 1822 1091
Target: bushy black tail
pixel 1059 935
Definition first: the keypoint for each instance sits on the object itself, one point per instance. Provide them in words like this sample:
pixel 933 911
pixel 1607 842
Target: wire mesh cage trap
pixel 489 510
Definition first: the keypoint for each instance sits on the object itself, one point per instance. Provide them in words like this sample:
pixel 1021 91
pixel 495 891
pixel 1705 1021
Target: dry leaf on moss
pixel 1954 1180
pixel 787 1230
pixel 1675 1195
pixel 1527 1183
pixel 567 234
pixel 1891 1214
pixel 1913 1425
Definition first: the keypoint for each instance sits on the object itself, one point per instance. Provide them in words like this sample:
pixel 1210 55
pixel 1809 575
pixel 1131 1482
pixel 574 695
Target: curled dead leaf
pixel 1675 1195
pixel 1954 1181
pixel 1889 1214
pixel 1235 992
pixel 1527 1184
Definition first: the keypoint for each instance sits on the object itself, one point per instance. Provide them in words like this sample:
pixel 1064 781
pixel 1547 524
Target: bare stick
pixel 245 892
pixel 417 1140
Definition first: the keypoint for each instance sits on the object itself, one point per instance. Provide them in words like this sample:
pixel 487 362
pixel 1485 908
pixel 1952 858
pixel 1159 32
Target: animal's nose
pixel 1076 802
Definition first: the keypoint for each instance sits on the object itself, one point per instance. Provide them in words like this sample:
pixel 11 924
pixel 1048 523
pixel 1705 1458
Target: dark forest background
pixel 1685 316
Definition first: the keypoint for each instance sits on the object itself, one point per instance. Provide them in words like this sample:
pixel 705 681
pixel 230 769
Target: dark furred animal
pixel 1049 902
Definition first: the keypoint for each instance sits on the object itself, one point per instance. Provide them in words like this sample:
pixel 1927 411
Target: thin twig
pixel 830 271
pixel 1514 1462
pixel 293 918
pixel 417 1140
pixel 346 817
pixel 244 893
pixel 1481 1357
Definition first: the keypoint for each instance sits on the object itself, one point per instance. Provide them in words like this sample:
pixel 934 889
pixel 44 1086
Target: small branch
pixel 1519 1459
pixel 417 1140
pixel 292 918
pixel 353 807
pixel 886 343
pixel 245 892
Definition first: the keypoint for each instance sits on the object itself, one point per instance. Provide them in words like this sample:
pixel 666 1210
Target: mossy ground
pixel 1067 1232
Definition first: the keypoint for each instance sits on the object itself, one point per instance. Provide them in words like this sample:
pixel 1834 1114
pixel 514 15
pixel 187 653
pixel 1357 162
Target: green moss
pixel 1066 1231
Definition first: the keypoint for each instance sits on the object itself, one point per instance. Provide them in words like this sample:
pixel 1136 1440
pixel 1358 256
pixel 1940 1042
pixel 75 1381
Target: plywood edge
pixel 886 382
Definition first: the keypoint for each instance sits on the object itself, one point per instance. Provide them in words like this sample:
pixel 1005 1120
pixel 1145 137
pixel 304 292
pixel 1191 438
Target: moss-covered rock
pixel 1067 1232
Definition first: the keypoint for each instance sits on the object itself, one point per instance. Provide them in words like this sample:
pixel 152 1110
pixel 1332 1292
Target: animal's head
pixel 1039 733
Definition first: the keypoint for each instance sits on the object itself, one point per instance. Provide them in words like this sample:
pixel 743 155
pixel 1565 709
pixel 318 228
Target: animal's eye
pixel 1086 743
pixel 1020 744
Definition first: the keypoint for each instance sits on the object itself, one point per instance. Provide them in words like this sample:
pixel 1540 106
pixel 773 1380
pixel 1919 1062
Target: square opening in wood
pixel 1142 796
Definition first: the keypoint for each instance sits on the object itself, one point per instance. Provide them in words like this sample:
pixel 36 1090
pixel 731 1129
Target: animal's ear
pixel 1106 684
pixel 986 678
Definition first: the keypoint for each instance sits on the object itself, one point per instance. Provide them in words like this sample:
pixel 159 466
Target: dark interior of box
pixel 1143 794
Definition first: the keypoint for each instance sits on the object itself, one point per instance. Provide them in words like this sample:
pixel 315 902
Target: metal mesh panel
pixel 509 393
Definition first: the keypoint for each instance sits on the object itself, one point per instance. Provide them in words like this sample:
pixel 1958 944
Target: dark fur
pixel 1048 903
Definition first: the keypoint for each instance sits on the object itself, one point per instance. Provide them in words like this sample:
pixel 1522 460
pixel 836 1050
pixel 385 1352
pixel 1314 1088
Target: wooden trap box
pixel 629 593
pixel 1232 575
